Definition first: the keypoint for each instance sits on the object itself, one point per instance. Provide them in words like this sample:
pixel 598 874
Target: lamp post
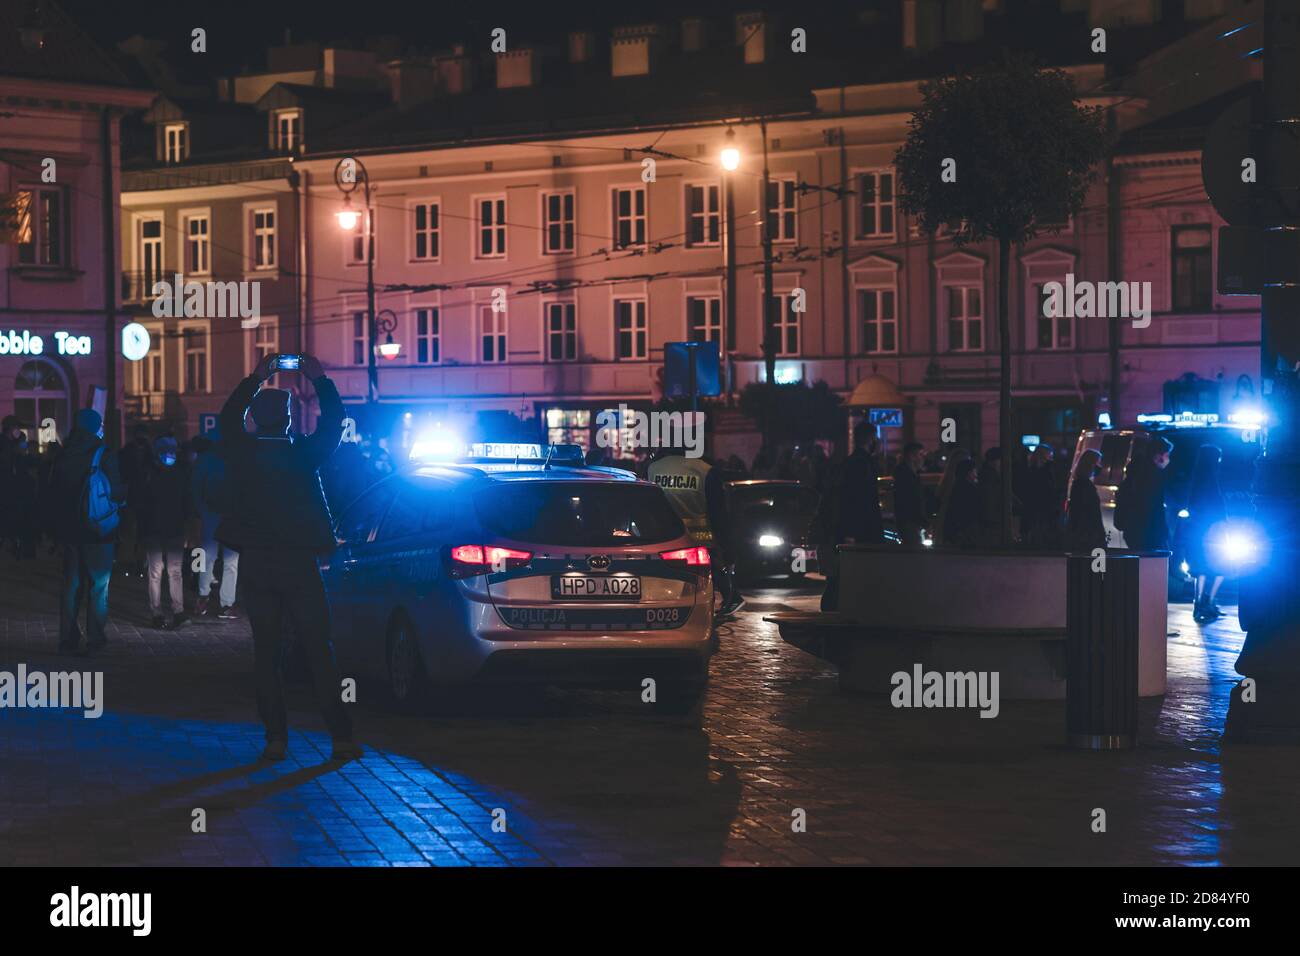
pixel 347 173
pixel 385 322
pixel 729 159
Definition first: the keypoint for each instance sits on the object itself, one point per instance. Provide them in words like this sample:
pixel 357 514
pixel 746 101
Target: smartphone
pixel 288 362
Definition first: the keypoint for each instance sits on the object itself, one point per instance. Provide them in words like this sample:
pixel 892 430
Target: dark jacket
pixel 273 483
pixel 66 480
pixel 163 505
pixel 909 498
pixel 1084 529
pixel 1146 527
pixel 859 506
pixel 961 521
pixel 1040 503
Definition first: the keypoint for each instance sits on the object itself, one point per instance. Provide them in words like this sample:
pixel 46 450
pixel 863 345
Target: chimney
pixel 963 20
pixel 692 35
pixel 455 73
pixel 922 25
pixel 752 35
pixel 411 81
pixel 516 68
pixel 632 50
pixel 582 46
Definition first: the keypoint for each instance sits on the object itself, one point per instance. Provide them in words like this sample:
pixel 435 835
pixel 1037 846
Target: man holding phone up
pixel 281 525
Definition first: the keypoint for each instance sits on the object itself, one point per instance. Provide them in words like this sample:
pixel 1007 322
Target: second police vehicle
pixel 517 563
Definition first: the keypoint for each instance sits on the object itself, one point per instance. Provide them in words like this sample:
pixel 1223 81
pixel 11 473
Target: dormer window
pixel 287 127
pixel 176 143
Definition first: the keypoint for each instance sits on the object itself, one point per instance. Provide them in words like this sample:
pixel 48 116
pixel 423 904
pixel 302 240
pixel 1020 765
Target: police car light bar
pixel 437 446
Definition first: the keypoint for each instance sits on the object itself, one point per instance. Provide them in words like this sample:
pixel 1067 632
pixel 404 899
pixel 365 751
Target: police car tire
pixel 408 689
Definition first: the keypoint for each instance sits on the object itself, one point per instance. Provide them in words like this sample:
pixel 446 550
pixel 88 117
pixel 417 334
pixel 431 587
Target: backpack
pixel 99 512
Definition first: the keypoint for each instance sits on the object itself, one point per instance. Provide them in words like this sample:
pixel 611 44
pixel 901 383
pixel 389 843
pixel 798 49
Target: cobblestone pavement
pixel 588 778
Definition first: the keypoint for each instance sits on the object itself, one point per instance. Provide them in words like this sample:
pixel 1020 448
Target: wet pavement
pixel 593 778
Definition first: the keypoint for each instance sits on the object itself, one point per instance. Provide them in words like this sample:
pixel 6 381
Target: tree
pixel 796 413
pixel 992 154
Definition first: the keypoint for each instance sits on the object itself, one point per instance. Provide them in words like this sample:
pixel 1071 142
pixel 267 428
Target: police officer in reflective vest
pixel 694 488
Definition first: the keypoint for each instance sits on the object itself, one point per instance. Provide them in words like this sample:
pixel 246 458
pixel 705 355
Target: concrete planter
pixel 998 611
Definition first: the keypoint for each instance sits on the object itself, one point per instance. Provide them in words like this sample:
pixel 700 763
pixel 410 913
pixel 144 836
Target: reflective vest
pixel 682 480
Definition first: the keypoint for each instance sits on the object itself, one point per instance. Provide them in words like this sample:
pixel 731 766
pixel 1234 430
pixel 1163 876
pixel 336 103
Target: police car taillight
pixel 692 556
pixel 467 560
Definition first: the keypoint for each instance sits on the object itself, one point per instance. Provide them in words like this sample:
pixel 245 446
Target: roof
pixel 66 55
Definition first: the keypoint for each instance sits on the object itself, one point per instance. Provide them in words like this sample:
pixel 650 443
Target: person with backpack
pixel 1140 500
pixel 86 493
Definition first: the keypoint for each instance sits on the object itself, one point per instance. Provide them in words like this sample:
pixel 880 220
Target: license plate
pixel 565 587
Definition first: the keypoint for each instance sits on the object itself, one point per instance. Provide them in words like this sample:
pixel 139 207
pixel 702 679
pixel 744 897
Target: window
pixel 288 130
pixel 357 242
pixel 1054 332
pixel 198 244
pixel 561 332
pixel 427 225
pixel 147 376
pixel 965 318
pixel 360 339
pixel 876 204
pixel 629 328
pixel 493 334
pixel 704 319
pixel 557 223
pixel 878 308
pixel 786 326
pixel 149 254
pixel 359 522
pixel 1192 273
pixel 703 216
pixel 568 426
pixel 428 336
pixel 491 227
pixel 263 238
pixel 629 217
pixel 264 340
pixel 780 217
pixel 175 143
pixel 194 358
pixel 43 227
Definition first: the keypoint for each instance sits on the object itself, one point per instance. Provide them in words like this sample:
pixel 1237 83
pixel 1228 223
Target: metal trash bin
pixel 1101 652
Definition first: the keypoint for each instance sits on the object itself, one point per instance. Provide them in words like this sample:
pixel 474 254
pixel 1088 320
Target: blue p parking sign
pixel 207 423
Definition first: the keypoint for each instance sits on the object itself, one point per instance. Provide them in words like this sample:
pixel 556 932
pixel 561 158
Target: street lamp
pixel 348 217
pixel 730 156
pixel 385 322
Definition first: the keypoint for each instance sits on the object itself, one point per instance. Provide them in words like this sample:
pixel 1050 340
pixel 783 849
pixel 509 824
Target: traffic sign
pixel 886 417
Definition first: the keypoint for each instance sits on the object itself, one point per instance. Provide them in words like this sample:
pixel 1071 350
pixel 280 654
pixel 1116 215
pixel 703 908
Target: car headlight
pixel 770 541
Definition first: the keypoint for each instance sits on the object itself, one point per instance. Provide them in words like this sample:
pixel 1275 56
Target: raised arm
pixel 329 427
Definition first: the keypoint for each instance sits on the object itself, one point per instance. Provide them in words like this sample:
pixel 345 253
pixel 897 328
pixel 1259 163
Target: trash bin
pixel 1101 653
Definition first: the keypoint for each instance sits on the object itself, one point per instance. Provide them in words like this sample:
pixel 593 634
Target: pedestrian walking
pixel 86 493
pixel 1084 529
pixel 909 496
pixel 211 499
pixel 963 519
pixel 163 510
pixel 1206 513
pixel 1140 500
pixel 280 525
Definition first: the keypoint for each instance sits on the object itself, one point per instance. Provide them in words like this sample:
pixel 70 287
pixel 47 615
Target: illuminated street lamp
pixel 730 156
pixel 385 322
pixel 347 173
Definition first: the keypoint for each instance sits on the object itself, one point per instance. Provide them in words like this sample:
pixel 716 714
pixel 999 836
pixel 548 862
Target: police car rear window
pixel 578 514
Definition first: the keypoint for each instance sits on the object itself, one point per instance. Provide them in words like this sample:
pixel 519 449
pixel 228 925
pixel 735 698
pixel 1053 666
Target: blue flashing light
pixel 1103 420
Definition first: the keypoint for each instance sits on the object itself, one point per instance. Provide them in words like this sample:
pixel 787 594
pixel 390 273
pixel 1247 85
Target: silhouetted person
pixel 133 461
pixel 962 518
pixel 1040 501
pixel 909 496
pixel 85 524
pixel 990 492
pixel 1084 529
pixel 1140 501
pixel 1205 511
pixel 849 512
pixel 280 525
pixel 210 494
pixel 162 509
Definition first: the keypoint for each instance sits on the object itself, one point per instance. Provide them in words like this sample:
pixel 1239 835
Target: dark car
pixel 770 522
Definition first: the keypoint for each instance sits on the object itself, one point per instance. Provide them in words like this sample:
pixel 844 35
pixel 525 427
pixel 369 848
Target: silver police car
pixel 519 563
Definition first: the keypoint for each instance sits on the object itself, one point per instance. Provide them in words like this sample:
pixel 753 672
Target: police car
pixel 518 563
